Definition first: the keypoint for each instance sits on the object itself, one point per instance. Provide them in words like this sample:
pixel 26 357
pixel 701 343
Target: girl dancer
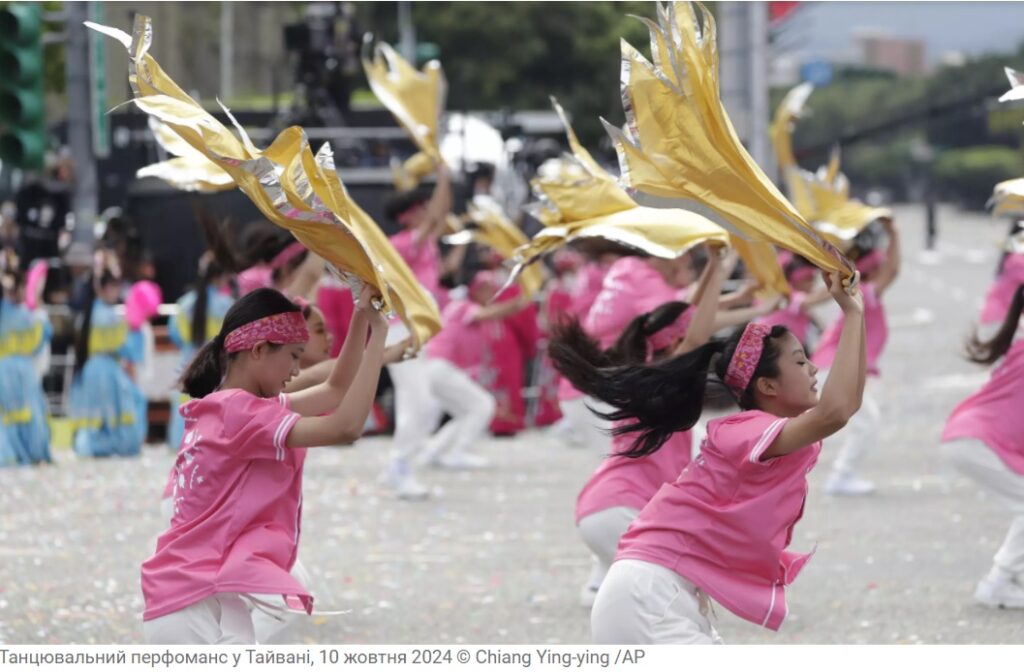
pixel 722 527
pixel 277 260
pixel 237 497
pixel 878 269
pixel 200 314
pixel 23 409
pixel 984 438
pixel 107 407
pixel 419 381
pixel 622 485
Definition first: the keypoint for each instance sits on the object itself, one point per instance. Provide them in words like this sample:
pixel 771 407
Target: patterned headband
pixel 748 353
pixel 280 329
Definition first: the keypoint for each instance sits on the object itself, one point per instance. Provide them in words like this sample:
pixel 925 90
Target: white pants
pixel 601 532
pixel 976 460
pixel 593 432
pixel 223 618
pixel 267 626
pixel 425 389
pixel 861 432
pixel 644 603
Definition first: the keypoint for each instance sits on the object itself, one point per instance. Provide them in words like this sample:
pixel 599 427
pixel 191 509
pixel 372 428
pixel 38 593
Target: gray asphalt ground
pixel 495 558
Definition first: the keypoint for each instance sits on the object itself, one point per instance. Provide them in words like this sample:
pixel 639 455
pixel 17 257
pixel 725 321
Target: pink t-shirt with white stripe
pixel 237 492
pixel 632 481
pixel 725 523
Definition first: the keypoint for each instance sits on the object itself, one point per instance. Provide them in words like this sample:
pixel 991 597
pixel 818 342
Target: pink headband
pixel 287 254
pixel 748 353
pixel 281 329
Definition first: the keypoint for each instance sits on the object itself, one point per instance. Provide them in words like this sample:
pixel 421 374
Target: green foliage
pixel 969 174
pixel 516 54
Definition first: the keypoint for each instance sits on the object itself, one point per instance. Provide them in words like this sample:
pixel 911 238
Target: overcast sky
pixel 828 29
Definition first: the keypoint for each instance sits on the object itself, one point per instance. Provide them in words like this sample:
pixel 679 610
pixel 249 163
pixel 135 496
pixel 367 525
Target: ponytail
pixel 654 400
pixel 987 352
pixel 209 271
pixel 206 370
pixel 82 337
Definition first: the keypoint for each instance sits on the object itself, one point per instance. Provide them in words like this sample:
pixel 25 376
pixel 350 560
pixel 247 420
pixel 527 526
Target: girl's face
pixel 795 389
pixel 318 348
pixel 274 366
pixel 110 293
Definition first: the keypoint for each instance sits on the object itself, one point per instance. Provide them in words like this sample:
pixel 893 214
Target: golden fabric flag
pixel 579 199
pixel 495 230
pixel 416 98
pixel 781 133
pixel 291 186
pixel 189 170
pixel 836 216
pixel 679 143
pixel 1008 198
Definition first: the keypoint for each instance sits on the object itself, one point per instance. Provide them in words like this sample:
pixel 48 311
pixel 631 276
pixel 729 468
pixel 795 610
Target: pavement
pixel 494 556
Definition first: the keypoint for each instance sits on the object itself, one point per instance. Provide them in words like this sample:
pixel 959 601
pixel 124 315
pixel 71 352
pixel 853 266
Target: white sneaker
pixel 587 595
pixel 848 484
pixel 462 461
pixel 1000 594
pixel 400 478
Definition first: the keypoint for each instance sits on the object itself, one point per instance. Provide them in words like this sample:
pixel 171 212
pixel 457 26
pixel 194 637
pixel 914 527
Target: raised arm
pixel 438 207
pixel 710 286
pixel 328 392
pixel 844 388
pixel 345 424
pixel 891 268
pixel 731 318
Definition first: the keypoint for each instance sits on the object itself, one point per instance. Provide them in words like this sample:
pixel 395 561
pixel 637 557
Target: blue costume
pixel 108 408
pixel 24 430
pixel 180 331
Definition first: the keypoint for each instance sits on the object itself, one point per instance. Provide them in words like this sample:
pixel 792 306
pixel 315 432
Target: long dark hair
pixel 82 337
pixel 987 352
pixel 205 372
pixel 630 347
pixel 209 270
pixel 658 399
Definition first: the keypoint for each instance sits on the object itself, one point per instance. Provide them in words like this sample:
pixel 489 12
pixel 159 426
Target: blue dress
pixel 107 407
pixel 180 331
pixel 24 415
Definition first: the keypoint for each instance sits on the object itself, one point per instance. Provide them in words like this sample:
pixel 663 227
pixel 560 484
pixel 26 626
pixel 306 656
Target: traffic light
pixel 22 114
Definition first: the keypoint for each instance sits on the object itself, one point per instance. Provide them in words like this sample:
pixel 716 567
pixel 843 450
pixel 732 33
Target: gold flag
pixel 580 199
pixel 291 186
pixel 416 99
pixel 679 143
pixel 189 170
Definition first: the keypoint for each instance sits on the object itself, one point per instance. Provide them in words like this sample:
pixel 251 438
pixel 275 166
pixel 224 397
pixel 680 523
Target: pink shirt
pixel 631 482
pixel 1000 293
pixel 631 288
pixel 237 506
pixel 725 523
pixel 876 332
pixel 995 414
pixel 589 280
pixel 792 317
pixel 460 342
pixel 424 261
